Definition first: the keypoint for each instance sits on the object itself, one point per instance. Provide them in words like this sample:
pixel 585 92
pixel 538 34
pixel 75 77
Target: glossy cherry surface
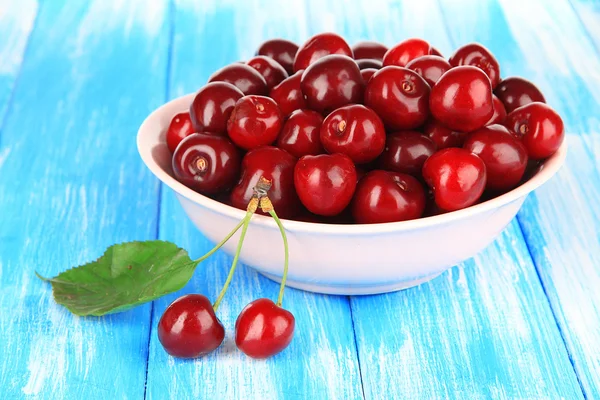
pixel 212 107
pixel 179 128
pixel 476 55
pixel 331 82
pixel 504 155
pixel 369 50
pixel 325 183
pixel 399 96
pixel 456 176
pixel 406 51
pixel 281 50
pixel 499 112
pixel 242 76
pixel 462 99
pixel 406 152
pixel 435 52
pixel 206 163
pixel 276 165
pixel 431 68
pixel 515 92
pixel 255 121
pixel 539 126
pixel 301 132
pixel 443 137
pixel 189 327
pixel 263 329
pixel 288 94
pixel 368 63
pixel 355 131
pixel 319 46
pixel 270 69
pixel 367 74
pixel 383 196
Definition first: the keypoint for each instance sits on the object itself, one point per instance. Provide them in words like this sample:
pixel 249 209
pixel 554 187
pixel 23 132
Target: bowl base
pixel 353 290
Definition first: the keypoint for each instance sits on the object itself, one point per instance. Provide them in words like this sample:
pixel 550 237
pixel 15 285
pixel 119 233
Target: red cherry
pixel 478 56
pixel 288 94
pixel 462 99
pixel 499 112
pixel 406 152
pixel 325 183
pixel 331 82
pixel 406 51
pixel 212 107
pixel 383 196
pixel 367 74
pixel 270 69
pixel 456 176
pixel 355 131
pixel 431 68
pixel 300 134
pixel 189 327
pixel 281 50
pixel 399 96
pixel 319 46
pixel 504 155
pixel 368 63
pixel 179 128
pixel 444 137
pixel 435 52
pixel 242 76
pixel 206 163
pixel 540 127
pixel 515 92
pixel 255 121
pixel 369 50
pixel 263 329
pixel 276 165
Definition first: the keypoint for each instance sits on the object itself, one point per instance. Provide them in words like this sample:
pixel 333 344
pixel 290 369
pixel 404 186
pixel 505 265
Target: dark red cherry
pixel 515 92
pixel 504 155
pixel 368 63
pixel 406 51
pixel 367 74
pixel 331 82
pixel 369 50
pixel 456 176
pixel 189 327
pixel 406 152
pixel 431 68
pixel 499 112
pixel 263 329
pixel 462 99
pixel 325 183
pixel 435 52
pixel 212 107
pixel 319 46
pixel 288 94
pixel 478 56
pixel 384 196
pixel 276 165
pixel 255 121
pixel 242 76
pixel 443 137
pixel 281 50
pixel 540 128
pixel 300 134
pixel 270 69
pixel 355 131
pixel 399 96
pixel 206 163
pixel 179 128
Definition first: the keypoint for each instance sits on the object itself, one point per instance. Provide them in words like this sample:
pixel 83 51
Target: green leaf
pixel 127 275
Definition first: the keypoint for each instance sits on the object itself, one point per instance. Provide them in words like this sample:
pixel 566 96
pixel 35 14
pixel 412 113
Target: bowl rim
pixel 148 138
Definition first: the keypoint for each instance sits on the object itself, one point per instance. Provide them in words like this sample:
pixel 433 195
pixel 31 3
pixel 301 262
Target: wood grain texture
pixel 321 362
pixel 72 184
pixel 561 220
pixel 483 330
pixel 588 12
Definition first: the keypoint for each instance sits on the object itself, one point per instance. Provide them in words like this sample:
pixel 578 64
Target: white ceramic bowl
pixel 342 259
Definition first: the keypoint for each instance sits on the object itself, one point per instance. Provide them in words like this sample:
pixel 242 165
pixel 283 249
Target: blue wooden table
pixel 519 321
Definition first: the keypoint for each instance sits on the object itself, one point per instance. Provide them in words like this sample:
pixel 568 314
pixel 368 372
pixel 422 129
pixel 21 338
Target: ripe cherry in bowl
pixel 300 135
pixel 515 92
pixel 367 74
pixel 242 76
pixel 406 51
pixel 406 152
pixel 179 128
pixel 270 69
pixel 212 107
pixel 255 121
pixel 319 46
pixel 368 63
pixel 281 50
pixel 288 94
pixel 442 136
pixel 499 112
pixel 478 56
pixel 431 68
pixel 369 50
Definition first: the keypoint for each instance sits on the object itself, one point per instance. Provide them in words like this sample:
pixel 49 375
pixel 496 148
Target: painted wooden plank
pixel 482 330
pixel 589 13
pixel 321 362
pixel 561 220
pixel 71 185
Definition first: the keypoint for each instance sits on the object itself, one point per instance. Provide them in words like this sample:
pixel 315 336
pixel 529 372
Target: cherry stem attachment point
pixel 287 256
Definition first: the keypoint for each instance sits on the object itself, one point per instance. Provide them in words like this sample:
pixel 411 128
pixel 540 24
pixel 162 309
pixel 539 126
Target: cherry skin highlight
pixel 319 46
pixel 369 50
pixel 431 68
pixel 300 135
pixel 499 112
pixel 478 56
pixel 270 69
pixel 281 50
pixel 212 107
pixel 288 94
pixel 179 128
pixel 255 121
pixel 406 51
pixel 515 92
pixel 242 76
pixel 406 152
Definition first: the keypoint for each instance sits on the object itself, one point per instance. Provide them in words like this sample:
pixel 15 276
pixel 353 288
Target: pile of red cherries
pixel 362 134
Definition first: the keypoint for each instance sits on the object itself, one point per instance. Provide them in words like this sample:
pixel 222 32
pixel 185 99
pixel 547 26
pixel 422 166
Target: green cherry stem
pixel 287 256
pixel 222 242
